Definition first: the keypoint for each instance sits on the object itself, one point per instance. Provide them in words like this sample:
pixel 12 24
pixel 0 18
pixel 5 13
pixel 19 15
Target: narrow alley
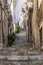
pixel 21 32
pixel 20 47
pixel 20 38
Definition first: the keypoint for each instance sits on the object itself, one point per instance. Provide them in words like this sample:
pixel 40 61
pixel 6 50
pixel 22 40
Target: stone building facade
pixel 4 21
pixel 37 24
pixel 41 24
pixel 34 24
pixel 35 30
pixel 0 24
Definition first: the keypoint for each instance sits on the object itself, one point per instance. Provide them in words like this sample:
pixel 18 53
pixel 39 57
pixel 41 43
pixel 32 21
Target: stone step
pixel 22 58
pixel 18 51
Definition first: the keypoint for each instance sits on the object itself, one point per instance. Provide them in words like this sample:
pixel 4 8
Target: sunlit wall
pixel 39 2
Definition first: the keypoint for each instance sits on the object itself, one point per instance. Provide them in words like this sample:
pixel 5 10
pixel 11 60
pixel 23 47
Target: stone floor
pixel 21 62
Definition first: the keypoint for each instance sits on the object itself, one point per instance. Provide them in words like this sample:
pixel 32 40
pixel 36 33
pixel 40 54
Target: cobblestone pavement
pixel 21 62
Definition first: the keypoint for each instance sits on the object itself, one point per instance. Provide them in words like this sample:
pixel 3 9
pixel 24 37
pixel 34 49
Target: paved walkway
pixel 20 47
pixel 20 53
pixel 30 62
pixel 20 39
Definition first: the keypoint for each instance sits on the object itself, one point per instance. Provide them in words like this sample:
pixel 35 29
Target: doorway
pixel 41 37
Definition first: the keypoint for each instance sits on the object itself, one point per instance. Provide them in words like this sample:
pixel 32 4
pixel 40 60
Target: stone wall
pixel 35 24
pixel 41 24
pixel 0 24
pixel 4 23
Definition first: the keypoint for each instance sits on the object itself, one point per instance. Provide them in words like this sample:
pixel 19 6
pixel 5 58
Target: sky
pixel 18 9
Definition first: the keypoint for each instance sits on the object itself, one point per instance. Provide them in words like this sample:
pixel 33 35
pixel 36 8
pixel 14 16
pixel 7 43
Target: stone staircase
pixel 21 62
pixel 19 48
pixel 19 51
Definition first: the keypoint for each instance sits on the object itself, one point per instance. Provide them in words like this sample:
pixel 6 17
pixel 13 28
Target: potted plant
pixel 17 30
pixel 11 39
